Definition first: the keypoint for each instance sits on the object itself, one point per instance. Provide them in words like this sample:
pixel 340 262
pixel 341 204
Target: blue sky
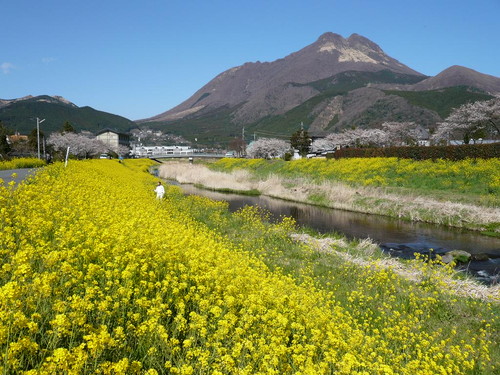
pixel 140 58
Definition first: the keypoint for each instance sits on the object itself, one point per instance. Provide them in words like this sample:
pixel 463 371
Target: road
pixel 6 175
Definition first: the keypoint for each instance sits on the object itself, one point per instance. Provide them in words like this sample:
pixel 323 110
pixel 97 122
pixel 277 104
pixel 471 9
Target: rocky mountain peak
pixel 40 98
pixel 360 42
pixel 64 100
pixel 355 49
pixel 330 42
pixel 330 37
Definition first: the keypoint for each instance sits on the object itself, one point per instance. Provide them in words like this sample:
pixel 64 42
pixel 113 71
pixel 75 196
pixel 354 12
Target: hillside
pixel 20 115
pixel 342 100
pixel 460 76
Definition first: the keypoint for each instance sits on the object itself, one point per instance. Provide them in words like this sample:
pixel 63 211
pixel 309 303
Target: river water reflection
pixel 403 237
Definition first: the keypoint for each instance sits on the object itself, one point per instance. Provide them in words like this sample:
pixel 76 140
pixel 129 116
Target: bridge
pixel 156 157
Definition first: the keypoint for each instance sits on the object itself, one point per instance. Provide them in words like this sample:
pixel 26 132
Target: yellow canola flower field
pixel 479 176
pixel 21 163
pixel 97 276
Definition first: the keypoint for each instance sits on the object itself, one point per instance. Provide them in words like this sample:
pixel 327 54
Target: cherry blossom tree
pixel 268 148
pixel 351 138
pixel 79 145
pixel 121 150
pixel 323 144
pixel 392 133
pixel 470 121
pixel 371 138
pixel 491 111
pixel 403 133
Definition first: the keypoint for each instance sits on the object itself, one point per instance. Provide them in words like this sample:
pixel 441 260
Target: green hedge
pixel 482 151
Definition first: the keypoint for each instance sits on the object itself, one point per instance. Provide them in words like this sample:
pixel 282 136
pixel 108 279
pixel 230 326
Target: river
pixel 397 237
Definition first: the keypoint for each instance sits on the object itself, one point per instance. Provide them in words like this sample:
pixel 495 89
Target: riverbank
pixel 403 203
pixel 409 271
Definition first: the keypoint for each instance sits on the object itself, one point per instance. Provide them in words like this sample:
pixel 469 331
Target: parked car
pixel 104 156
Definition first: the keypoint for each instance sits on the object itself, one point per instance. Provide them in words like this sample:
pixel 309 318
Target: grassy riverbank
pixel 104 278
pixel 460 194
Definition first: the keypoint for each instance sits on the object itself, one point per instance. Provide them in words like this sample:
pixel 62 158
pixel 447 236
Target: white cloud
pixel 6 67
pixel 48 60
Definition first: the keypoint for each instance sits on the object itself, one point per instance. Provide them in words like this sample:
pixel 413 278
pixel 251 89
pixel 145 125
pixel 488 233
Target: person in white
pixel 159 190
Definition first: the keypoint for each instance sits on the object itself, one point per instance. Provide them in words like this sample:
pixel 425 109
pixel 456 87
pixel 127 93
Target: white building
pixel 140 151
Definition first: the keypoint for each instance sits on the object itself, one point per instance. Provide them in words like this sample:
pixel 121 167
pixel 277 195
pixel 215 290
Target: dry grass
pixel 199 174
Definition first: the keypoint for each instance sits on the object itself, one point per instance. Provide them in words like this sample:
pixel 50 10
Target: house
pixel 113 139
pixel 17 138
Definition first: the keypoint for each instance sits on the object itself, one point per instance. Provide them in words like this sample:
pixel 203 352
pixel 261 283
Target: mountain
pixel 329 85
pixel 275 87
pixel 460 76
pixel 20 115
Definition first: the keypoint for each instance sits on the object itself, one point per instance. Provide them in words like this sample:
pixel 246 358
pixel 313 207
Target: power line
pixel 268 133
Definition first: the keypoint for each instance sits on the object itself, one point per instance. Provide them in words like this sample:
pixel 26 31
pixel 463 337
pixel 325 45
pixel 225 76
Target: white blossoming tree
pixel 351 138
pixel 268 148
pixel 121 150
pixel 470 121
pixel 79 145
pixel 405 133
pixel 323 144
pixel 391 134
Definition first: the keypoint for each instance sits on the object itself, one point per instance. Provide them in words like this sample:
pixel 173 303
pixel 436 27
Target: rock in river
pixel 459 256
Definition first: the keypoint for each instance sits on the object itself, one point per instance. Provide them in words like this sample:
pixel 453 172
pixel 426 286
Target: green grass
pixel 319 199
pixel 491 230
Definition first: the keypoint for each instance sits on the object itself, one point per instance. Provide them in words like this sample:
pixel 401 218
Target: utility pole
pixel 38 122
pixel 243 134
